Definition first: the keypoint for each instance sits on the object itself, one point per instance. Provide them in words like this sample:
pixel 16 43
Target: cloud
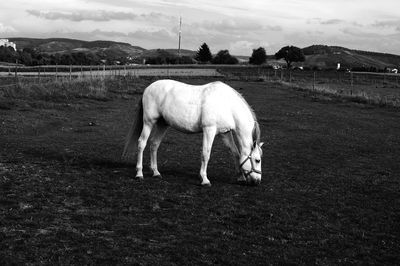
pixel 273 28
pixel 97 15
pixel 93 35
pixel 232 26
pixel 360 34
pixel 387 23
pixel 320 21
pixel 6 29
pixel 356 24
pixel 331 22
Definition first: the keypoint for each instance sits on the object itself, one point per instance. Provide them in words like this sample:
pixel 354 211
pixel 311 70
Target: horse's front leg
pixel 208 138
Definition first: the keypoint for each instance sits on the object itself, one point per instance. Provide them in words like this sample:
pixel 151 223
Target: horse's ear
pixel 261 144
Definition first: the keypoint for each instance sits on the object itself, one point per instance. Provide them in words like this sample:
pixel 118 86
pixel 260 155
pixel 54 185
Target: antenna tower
pixel 180 36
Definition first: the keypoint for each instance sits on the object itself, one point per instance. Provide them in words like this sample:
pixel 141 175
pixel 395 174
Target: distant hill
pixel 64 45
pixel 323 56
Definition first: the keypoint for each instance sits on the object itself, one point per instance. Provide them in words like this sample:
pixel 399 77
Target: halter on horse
pixel 246 173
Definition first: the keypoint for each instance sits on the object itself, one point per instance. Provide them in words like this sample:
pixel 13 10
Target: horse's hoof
pixel 157 176
pixel 140 178
pixel 206 184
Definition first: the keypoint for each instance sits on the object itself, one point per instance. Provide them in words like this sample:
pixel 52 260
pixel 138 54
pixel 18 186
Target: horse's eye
pixel 258 161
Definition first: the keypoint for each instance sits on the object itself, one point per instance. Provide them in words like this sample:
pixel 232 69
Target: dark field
pixel 330 192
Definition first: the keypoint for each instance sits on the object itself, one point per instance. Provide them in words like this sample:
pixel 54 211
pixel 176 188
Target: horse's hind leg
pixel 155 140
pixel 208 139
pixel 144 136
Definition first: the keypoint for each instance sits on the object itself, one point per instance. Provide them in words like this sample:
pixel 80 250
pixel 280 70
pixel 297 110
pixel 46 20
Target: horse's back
pixel 189 108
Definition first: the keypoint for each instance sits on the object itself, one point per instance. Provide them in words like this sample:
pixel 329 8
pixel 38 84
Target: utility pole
pixel 180 36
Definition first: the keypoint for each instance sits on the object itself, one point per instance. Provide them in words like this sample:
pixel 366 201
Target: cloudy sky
pixel 236 25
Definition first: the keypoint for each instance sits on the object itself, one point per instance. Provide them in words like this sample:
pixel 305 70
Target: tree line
pixel 31 57
pixel 259 56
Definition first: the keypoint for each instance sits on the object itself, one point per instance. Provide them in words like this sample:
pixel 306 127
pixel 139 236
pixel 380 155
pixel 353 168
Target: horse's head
pixel 250 165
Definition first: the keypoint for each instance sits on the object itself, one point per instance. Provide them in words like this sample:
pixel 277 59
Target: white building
pixel 6 43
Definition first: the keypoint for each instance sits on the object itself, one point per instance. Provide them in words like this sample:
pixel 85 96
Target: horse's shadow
pixel 173 172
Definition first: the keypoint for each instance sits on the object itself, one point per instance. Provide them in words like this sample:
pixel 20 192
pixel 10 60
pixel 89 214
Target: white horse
pixel 213 109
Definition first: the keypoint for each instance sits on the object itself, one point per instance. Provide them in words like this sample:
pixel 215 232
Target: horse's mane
pixel 256 129
pixel 256 132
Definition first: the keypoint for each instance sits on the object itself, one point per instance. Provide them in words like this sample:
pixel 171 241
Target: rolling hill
pixel 323 56
pixel 64 45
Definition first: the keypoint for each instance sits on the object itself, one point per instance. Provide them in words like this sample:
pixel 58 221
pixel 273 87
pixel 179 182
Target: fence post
pixel 338 76
pixel 70 73
pixel 313 83
pixel 16 76
pixel 281 74
pixel 351 79
pixel 56 72
pixel 384 78
pixel 290 76
pixel 38 74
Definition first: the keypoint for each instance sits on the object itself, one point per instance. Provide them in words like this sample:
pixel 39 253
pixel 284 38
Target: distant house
pixel 6 43
pixel 391 70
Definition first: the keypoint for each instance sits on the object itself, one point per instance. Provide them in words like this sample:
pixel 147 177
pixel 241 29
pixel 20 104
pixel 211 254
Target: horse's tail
pixel 134 132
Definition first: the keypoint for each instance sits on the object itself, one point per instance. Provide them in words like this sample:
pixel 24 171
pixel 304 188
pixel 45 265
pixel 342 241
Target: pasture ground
pixel 330 192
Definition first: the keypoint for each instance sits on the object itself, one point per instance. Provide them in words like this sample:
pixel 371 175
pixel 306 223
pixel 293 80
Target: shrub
pixel 224 58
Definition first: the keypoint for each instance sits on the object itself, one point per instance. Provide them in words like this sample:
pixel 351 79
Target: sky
pixel 236 25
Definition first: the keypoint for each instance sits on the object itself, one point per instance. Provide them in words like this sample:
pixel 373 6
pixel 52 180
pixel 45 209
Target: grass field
pixel 330 192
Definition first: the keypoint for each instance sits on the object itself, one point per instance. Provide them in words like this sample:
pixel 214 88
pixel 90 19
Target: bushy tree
pixel 224 57
pixel 290 54
pixel 8 54
pixel 203 54
pixel 258 57
pixel 25 58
